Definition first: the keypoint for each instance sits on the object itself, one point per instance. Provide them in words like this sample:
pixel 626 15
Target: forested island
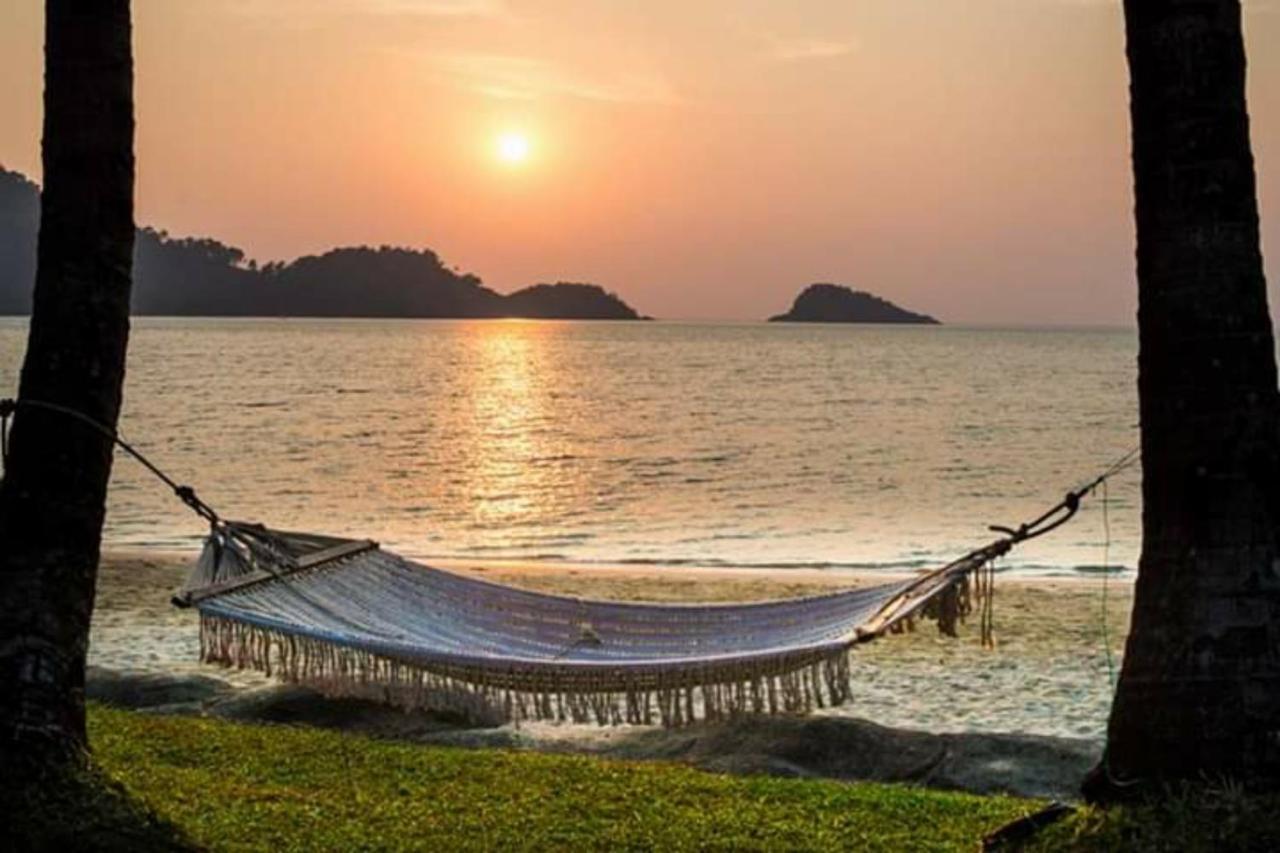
pixel 834 303
pixel 200 276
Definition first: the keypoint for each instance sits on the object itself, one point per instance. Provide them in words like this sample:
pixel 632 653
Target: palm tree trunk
pixel 53 494
pixel 1199 692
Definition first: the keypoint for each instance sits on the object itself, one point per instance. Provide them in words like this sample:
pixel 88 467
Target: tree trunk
pixel 53 494
pixel 1199 692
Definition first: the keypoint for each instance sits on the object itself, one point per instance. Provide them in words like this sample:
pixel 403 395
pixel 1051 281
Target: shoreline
pixel 808 575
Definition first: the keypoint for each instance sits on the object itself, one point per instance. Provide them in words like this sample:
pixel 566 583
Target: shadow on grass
pixel 82 810
pixel 1203 818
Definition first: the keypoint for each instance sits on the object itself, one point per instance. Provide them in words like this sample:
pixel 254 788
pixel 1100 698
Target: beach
pixel 1048 674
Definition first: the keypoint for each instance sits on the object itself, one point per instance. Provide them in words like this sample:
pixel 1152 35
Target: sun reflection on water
pixel 658 442
pixel 510 392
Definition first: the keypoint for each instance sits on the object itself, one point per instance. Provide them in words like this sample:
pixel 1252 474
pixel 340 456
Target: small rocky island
pixel 568 301
pixel 834 303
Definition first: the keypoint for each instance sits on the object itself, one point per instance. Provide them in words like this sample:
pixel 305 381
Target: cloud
pixel 522 78
pixel 800 50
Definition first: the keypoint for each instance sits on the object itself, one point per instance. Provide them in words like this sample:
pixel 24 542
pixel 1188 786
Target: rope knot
pixel 187 495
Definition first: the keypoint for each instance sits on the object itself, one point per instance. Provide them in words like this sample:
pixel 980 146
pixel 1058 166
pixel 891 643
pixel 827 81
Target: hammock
pixel 353 620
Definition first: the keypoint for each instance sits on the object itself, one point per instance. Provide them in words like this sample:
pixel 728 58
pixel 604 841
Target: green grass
pixel 229 786
pixel 165 782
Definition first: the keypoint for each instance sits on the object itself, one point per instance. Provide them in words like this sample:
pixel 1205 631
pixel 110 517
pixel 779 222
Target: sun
pixel 513 147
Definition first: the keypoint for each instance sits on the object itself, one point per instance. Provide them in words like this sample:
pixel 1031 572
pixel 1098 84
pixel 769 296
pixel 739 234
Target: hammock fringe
pixel 956 603
pixel 756 687
pixel 350 620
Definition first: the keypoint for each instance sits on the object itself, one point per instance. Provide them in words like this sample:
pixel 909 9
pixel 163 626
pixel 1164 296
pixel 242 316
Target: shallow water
pixel 668 443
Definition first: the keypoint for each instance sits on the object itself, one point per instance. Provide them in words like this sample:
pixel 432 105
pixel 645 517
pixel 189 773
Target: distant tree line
pixel 200 276
pixel 19 223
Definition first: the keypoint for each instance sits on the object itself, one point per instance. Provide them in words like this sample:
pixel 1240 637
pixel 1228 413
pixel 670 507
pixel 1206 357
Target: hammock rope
pixel 186 494
pixel 351 619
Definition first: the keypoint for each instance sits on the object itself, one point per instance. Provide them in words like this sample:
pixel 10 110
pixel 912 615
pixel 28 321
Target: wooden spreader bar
pixel 309 561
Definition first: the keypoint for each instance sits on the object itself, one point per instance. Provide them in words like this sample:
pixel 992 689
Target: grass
pixel 171 782
pixel 242 787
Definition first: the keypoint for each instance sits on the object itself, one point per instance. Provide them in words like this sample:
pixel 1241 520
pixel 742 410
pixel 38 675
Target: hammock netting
pixel 351 619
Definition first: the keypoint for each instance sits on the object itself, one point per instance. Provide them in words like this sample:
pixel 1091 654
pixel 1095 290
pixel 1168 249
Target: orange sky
pixel 703 158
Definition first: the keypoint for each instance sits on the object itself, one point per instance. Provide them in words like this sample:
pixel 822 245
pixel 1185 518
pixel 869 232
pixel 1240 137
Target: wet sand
pixel 1048 674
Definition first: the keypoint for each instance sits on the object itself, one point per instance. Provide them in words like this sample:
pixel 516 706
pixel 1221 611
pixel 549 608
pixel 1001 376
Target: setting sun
pixel 513 147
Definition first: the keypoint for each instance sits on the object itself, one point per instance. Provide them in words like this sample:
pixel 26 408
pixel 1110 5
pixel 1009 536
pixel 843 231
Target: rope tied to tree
pixel 186 494
pixel 957 604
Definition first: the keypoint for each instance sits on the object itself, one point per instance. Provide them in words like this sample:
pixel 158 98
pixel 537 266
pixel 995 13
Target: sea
pixel 668 444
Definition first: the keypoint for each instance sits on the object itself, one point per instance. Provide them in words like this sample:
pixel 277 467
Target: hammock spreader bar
pixel 351 619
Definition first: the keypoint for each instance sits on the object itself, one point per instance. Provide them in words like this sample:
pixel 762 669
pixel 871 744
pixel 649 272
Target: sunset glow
pixel 703 160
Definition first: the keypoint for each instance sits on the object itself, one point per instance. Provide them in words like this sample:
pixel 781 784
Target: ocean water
pixel 661 443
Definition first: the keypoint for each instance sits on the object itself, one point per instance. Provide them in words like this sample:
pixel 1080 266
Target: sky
pixel 705 159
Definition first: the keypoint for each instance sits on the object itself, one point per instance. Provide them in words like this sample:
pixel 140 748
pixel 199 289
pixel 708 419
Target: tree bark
pixel 1199 691
pixel 53 494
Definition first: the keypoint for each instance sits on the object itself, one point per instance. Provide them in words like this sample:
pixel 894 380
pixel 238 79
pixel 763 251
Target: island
pixel 835 303
pixel 203 277
pixel 566 300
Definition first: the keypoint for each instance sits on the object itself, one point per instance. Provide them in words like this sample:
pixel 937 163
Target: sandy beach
pixel 1048 675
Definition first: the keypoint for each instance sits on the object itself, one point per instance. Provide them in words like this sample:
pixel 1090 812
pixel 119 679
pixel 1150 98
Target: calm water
pixel 657 442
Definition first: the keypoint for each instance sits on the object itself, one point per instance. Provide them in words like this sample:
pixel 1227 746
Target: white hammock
pixel 351 619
